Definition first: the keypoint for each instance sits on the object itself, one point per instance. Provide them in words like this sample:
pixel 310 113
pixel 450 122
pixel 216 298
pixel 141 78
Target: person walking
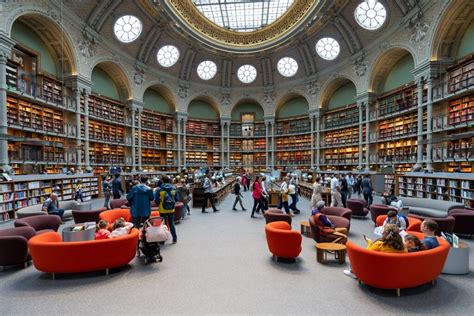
pixel 336 199
pixel 358 185
pixel 350 184
pixel 317 193
pixel 293 192
pixel 183 197
pixel 366 186
pixel 283 201
pixel 107 190
pixel 264 185
pixel 139 197
pixel 207 185
pixel 117 188
pixel 344 189
pixel 257 197
pixel 166 197
pixel 238 196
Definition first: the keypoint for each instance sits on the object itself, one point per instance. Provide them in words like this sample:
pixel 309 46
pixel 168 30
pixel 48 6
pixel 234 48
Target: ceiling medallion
pixel 189 17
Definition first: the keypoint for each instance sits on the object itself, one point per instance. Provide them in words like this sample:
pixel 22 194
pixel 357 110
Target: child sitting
pixel 395 219
pixel 413 243
pixel 78 195
pixel 428 228
pixel 120 228
pixel 101 231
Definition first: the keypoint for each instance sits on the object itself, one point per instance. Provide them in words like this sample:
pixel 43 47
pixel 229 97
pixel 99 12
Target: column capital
pixel 365 97
pixel 6 45
pixel 79 83
pixel 225 120
pixel 314 113
pixel 182 116
pixel 135 105
pixel 269 119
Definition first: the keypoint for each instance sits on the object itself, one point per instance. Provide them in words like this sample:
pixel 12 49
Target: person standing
pixel 207 185
pixel 264 186
pixel 107 190
pixel 366 186
pixel 358 185
pixel 244 182
pixel 257 197
pixel 336 199
pixel 238 195
pixel 166 197
pixel 117 188
pixel 344 189
pixel 350 184
pixel 139 197
pixel 292 191
pixel 51 206
pixel 317 193
pixel 283 201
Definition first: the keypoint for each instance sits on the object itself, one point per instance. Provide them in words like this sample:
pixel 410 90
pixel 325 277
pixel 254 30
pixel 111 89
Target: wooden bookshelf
pixel 293 158
pixel 293 142
pixel 461 111
pixel 398 151
pixel 206 128
pixel 157 121
pixel 101 154
pixel 153 157
pixel 105 132
pixel 107 109
pixel 452 187
pixel 346 136
pixel 399 99
pixel 346 115
pixel 342 156
pixel 294 125
pixel 51 90
pixel 237 129
pixel 235 159
pixel 461 75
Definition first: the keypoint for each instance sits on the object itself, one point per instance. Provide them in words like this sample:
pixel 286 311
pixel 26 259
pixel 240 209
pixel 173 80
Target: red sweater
pixel 257 191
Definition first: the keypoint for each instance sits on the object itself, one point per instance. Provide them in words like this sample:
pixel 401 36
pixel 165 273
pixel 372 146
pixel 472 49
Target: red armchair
pixel 414 224
pixel 276 215
pixel 357 207
pixel 282 241
pixel 339 222
pixel 397 270
pixel 337 211
pixel 117 203
pixel 378 209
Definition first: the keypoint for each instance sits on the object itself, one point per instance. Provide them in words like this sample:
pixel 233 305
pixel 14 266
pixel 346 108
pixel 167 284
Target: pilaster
pixel 6 45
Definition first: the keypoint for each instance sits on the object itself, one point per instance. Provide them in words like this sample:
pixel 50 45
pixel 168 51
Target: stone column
pixel 225 141
pixel 133 111
pixel 86 129
pixel 429 126
pixel 139 114
pixel 267 145
pixel 367 144
pixel 78 129
pixel 178 131
pixel 270 122
pixel 4 162
pixel 311 123
pixel 184 141
pixel 223 146
pixel 318 140
pixel 419 149
pixel 361 133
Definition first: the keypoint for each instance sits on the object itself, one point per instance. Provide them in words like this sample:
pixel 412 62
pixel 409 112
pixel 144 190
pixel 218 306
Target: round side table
pixel 338 249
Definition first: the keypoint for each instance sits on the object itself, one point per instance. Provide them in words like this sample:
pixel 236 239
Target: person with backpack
pixel 166 197
pixel 238 195
pixel 139 197
pixel 207 185
pixel 401 221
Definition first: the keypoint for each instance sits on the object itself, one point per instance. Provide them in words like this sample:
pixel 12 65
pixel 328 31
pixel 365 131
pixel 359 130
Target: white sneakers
pixel 350 274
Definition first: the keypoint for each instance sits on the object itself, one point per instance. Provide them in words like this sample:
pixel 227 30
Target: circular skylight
pixel 206 70
pixel 328 48
pixel 370 14
pixel 167 56
pixel 247 73
pixel 287 66
pixel 127 28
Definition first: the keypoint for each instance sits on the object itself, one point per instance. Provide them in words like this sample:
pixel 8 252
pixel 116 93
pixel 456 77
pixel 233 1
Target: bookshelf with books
pixel 51 90
pixel 461 111
pixel 106 109
pixel 461 75
pixel 203 128
pixel 301 159
pixel 399 151
pixel 294 125
pixel 454 187
pixel 399 100
pixel 342 156
pixel 300 142
pixel 397 127
pixel 106 155
pixel 203 143
pixel 109 133
pixel 341 117
pixel 346 136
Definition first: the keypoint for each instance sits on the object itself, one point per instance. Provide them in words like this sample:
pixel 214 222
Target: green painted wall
pixel 345 95
pixel 154 101
pixel 467 42
pixel 294 107
pixel 247 108
pixel 400 74
pixel 103 84
pixel 26 36
pixel 202 110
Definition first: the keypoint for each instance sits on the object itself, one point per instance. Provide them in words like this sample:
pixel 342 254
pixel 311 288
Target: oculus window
pixel 127 28
pixel 328 48
pixel 207 70
pixel 370 14
pixel 247 73
pixel 287 66
pixel 167 56
pixel 243 15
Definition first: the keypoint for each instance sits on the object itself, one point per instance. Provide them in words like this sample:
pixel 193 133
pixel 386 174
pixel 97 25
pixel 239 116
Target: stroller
pixel 153 233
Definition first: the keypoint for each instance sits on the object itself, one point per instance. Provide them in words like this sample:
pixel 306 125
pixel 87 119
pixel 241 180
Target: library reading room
pixel 236 157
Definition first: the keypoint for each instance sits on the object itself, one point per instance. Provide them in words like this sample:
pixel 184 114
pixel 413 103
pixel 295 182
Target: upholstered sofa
pixel 51 255
pixel 87 216
pixel 379 209
pixel 34 210
pixel 445 224
pixel 282 241
pixel 414 224
pixel 276 215
pixel 464 221
pixel 337 211
pixel 397 270
pixel 41 224
pixel 111 215
pixel 358 207
pixel 118 203
pixel 338 221
pixel 14 245
pixel 429 207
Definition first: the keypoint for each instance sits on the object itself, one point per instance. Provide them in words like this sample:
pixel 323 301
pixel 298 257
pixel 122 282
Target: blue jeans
pixel 57 211
pixel 294 200
pixel 169 219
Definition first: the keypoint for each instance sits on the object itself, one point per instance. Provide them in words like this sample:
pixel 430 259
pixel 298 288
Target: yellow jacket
pixel 379 246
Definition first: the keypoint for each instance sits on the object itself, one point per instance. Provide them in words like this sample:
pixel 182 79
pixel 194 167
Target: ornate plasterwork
pixel 313 87
pixel 139 75
pixel 360 66
pixel 86 45
pixel 187 12
pixel 419 32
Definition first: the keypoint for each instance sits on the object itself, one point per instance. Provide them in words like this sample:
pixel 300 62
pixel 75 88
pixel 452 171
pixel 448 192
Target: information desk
pixel 218 194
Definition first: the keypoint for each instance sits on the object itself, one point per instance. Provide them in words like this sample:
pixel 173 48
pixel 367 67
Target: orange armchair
pixel 112 215
pixel 414 224
pixel 282 241
pixel 51 255
pixel 397 270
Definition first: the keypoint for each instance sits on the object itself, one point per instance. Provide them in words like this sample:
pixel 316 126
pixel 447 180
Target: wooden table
pixel 305 229
pixel 324 247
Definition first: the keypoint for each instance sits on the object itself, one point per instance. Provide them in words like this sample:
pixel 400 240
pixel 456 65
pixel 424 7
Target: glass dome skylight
pixel 370 14
pixel 127 28
pixel 243 16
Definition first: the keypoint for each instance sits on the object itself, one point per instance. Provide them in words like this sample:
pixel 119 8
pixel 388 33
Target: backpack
pixel 168 201
pixel 405 218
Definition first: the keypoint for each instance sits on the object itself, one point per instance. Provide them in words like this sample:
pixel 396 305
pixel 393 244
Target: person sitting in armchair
pixel 326 227
pixel 51 206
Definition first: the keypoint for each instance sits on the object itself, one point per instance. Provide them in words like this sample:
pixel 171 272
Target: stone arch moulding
pixel 383 64
pixel 161 87
pixel 212 101
pixel 242 101
pixel 448 31
pixel 48 19
pixel 117 72
pixel 289 96
pixel 331 85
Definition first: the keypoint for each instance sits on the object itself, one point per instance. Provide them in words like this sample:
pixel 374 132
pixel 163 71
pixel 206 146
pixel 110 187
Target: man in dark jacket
pixel 366 186
pixel 166 196
pixel 140 197
pixel 117 188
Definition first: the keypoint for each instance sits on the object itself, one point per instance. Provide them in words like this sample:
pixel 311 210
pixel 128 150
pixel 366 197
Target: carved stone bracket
pixel 139 74
pixel 86 45
pixel 225 100
pixel 313 86
pixel 419 31
pixel 360 66
pixel 183 89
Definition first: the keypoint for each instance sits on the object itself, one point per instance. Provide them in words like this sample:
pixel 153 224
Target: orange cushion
pixel 414 224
